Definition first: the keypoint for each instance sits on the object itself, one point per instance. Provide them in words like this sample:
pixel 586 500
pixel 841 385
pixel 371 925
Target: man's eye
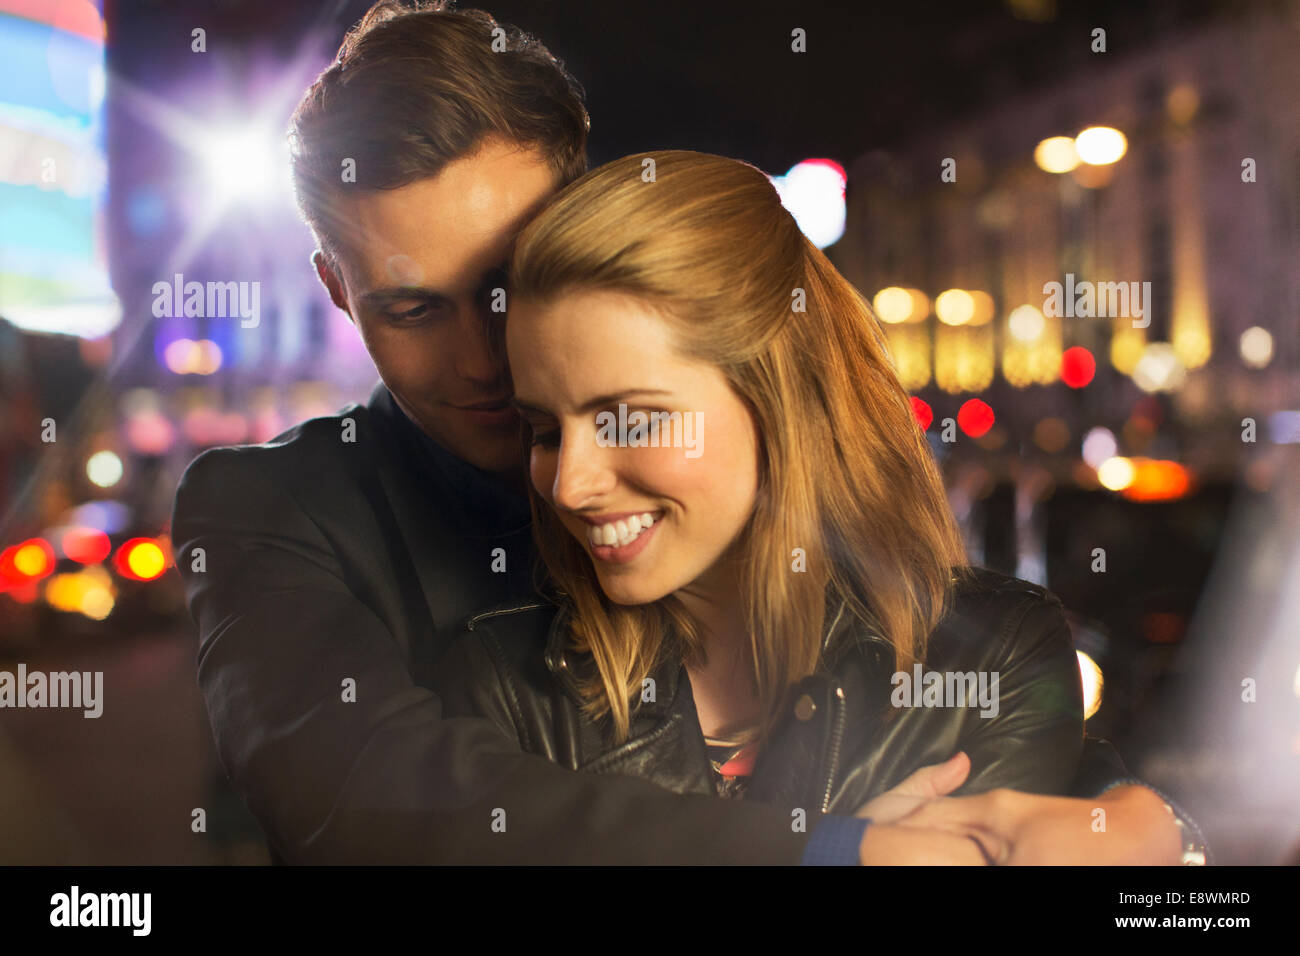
pixel 418 312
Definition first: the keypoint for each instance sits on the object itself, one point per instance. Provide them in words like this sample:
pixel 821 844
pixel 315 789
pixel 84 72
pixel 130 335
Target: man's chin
pixel 497 451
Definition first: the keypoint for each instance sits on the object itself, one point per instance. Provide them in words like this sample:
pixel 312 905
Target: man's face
pixel 417 273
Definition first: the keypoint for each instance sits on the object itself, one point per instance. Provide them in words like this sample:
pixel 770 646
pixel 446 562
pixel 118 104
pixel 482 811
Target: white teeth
pixel 622 532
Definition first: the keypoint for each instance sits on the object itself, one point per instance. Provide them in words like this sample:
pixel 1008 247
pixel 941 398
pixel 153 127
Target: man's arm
pixel 384 778
pixel 1039 726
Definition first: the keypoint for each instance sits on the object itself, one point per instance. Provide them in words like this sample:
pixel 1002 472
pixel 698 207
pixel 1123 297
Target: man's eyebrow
pixel 402 292
pixel 491 277
pixel 600 401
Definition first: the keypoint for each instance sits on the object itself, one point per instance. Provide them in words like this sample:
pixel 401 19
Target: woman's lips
pixel 630 536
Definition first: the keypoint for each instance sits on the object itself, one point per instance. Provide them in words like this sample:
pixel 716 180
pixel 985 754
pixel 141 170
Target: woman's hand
pixel 887 842
pixel 1129 826
pixel 937 780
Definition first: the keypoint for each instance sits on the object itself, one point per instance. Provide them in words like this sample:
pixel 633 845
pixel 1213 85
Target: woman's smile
pixel 619 538
pixel 613 497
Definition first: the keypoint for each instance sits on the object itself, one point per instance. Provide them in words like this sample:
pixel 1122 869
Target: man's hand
pixel 892 844
pixel 1128 826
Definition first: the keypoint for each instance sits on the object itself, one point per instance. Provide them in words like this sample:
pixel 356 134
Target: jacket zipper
pixel 837 735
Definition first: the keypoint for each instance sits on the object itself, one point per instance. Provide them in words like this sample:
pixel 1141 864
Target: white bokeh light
pixel 1098 445
pixel 1256 347
pixel 1026 324
pixel 104 469
pixel 249 165
pixel 813 191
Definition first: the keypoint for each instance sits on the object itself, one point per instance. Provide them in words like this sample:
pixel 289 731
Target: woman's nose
pixel 583 469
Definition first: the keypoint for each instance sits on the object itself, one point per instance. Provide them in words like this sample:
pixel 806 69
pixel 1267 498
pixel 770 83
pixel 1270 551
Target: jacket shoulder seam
pixel 473 620
pixel 976 582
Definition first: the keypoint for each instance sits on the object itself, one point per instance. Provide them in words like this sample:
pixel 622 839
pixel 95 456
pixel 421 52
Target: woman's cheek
pixel 724 468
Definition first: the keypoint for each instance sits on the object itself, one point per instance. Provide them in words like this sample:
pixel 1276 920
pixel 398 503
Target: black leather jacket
pixel 835 748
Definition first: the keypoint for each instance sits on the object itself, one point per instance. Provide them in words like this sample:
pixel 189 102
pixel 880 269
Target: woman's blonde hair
pixel 845 474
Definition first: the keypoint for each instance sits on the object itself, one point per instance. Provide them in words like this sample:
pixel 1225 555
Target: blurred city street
pixel 1082 252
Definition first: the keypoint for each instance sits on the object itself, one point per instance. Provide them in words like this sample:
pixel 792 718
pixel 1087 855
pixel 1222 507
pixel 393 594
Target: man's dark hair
pixel 418 85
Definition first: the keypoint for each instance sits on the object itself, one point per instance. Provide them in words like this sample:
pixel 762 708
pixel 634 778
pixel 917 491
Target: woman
pixel 756 585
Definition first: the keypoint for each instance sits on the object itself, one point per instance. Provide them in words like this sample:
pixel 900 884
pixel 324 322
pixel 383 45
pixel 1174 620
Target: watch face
pixel 1193 852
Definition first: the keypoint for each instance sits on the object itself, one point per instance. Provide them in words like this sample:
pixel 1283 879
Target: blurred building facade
pixel 1204 205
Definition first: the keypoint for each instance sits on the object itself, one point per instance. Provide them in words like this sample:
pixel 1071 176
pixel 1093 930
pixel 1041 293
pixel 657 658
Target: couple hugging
pixel 477 631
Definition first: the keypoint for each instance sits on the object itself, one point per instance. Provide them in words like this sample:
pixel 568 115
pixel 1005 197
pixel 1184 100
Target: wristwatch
pixel 1196 851
pixel 1193 848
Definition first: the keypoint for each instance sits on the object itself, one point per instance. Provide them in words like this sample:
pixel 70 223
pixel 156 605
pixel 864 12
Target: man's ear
pixel 330 279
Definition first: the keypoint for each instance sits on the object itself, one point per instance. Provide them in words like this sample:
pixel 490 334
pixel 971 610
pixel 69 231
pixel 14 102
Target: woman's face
pixel 657 491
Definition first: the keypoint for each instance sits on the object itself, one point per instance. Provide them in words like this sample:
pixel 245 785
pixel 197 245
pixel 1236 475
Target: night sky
pixel 719 76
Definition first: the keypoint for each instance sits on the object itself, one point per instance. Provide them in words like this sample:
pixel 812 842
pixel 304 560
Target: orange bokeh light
pixel 1155 480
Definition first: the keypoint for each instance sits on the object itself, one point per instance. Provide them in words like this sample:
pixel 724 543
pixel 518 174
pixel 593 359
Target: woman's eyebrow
pixel 600 401
pixel 525 407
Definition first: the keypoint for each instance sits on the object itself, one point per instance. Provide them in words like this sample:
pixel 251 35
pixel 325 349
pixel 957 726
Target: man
pixel 328 569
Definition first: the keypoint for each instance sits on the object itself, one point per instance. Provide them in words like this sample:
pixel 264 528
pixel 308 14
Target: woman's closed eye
pixel 545 434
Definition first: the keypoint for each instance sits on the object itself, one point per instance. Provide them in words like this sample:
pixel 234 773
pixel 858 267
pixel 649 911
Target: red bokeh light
pixel 975 417
pixel 86 545
pixel 922 411
pixel 26 563
pixel 24 593
pixel 9 576
pixel 1077 367
pixel 140 559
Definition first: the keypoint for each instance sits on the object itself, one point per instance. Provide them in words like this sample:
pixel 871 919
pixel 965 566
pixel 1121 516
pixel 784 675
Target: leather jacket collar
pixel 839 636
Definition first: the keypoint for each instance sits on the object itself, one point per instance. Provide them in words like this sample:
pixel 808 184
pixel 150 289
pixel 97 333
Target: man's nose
pixel 583 470
pixel 480 354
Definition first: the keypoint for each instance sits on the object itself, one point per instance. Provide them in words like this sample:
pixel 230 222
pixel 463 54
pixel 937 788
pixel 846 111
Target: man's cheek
pixel 412 360
pixel 541 471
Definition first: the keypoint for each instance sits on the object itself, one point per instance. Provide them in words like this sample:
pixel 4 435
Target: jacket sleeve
pixel 1037 742
pixel 385 778
pixel 1100 768
pixel 1036 739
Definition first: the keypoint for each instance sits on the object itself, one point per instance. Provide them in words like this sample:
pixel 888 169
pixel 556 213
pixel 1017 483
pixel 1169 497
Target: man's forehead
pixel 449 268
pixel 413 245
pixel 442 231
